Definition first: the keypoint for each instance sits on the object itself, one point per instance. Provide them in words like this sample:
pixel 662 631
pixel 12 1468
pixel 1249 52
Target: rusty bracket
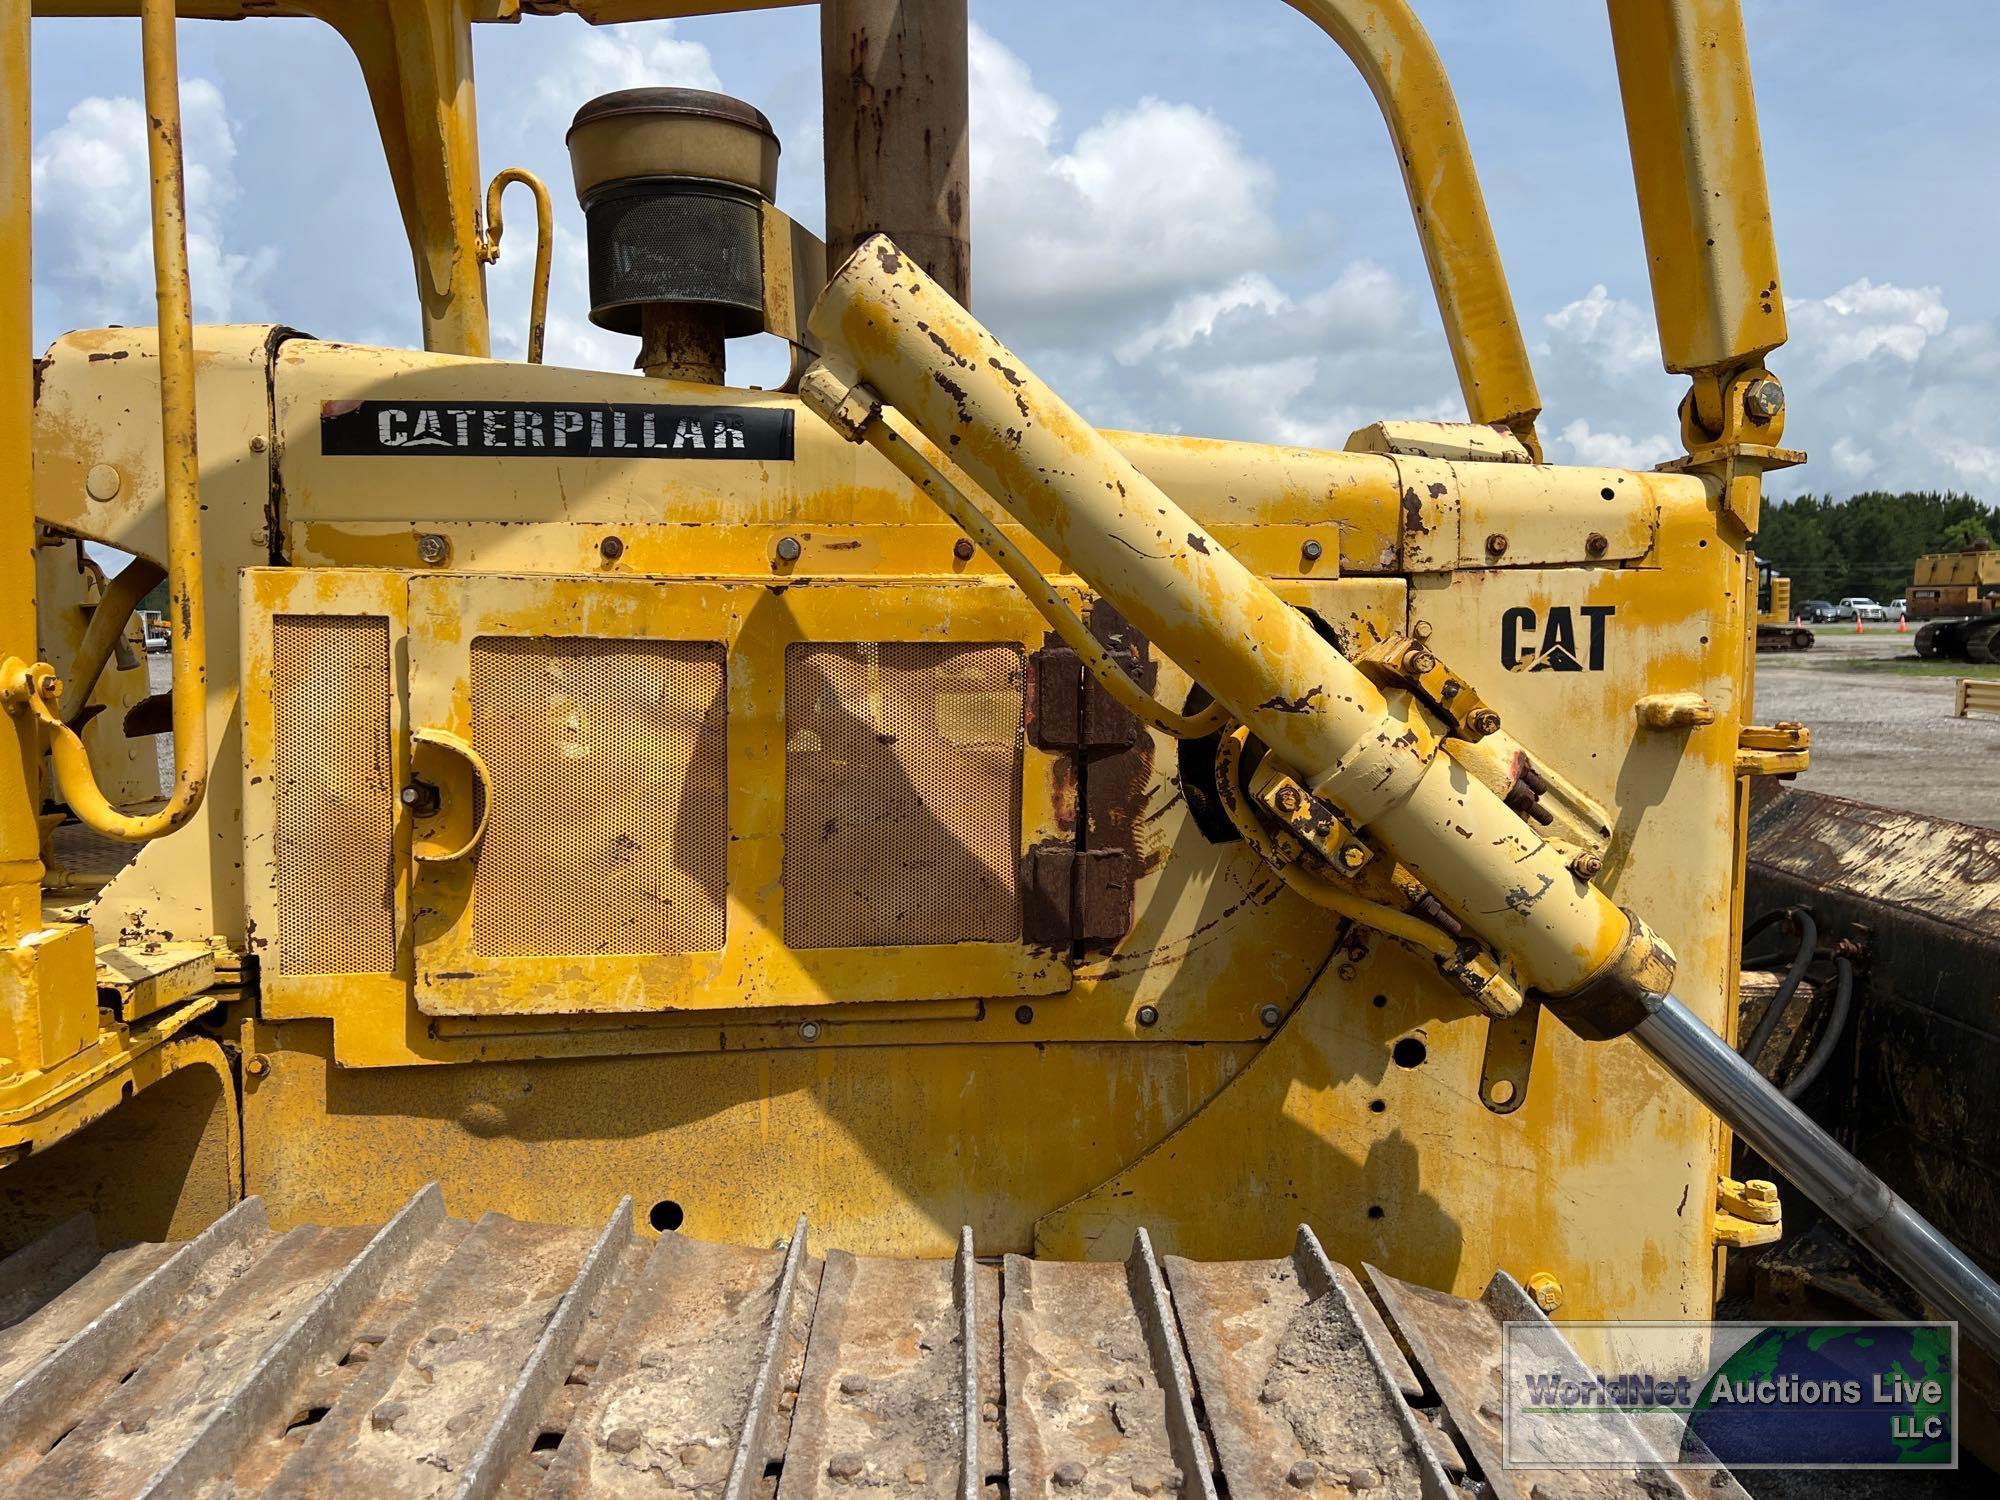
pixel 1747 1213
pixel 1069 709
pixel 1071 896
pixel 1783 749
pixel 1316 823
pixel 1403 661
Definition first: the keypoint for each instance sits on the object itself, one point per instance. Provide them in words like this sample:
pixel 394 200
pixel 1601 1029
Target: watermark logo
pixel 1743 1395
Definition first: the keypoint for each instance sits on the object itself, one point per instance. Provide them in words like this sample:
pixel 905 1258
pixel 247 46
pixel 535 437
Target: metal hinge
pixel 1747 1213
pixel 1773 749
pixel 1069 709
pixel 1072 895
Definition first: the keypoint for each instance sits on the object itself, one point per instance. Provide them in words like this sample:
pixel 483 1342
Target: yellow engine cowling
pixel 763 856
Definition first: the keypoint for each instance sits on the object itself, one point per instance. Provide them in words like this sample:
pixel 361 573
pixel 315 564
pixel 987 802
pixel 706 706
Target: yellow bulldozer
pixel 664 935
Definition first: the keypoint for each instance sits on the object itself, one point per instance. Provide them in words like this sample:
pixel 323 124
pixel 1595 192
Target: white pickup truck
pixel 1859 609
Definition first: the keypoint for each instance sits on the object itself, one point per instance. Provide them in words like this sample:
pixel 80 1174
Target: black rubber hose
pixel 1829 1037
pixel 1767 1023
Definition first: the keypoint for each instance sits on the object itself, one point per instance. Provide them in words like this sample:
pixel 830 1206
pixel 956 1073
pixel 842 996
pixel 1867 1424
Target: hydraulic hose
pixel 1767 1023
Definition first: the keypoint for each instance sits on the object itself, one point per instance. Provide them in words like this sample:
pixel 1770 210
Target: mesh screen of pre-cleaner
pixel 334 795
pixel 608 831
pixel 902 777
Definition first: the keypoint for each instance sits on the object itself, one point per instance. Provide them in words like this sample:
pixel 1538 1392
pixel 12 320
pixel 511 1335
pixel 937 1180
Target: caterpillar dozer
pixel 1778 629
pixel 669 936
pixel 1954 596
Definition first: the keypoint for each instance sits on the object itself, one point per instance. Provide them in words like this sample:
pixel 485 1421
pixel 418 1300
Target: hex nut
pixel 788 549
pixel 1312 551
pixel 1422 663
pixel 1587 865
pixel 257 443
pixel 611 548
pixel 1497 544
pixel 1288 799
pixel 1149 1015
pixel 1485 721
pixel 808 1031
pixel 1270 1015
pixel 1597 544
pixel 1353 856
pixel 962 549
pixel 432 548
pixel 1546 1290
pixel 257 1065
pixel 1763 399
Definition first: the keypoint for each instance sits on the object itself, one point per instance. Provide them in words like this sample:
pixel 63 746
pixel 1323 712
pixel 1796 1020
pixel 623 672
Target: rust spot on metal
pixel 1197 541
pixel 1413 513
pixel 1299 705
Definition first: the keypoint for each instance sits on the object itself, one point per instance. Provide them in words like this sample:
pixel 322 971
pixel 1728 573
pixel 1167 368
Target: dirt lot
pixel 1881 732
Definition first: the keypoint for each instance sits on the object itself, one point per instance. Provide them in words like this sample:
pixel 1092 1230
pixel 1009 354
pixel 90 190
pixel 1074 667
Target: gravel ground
pixel 1881 737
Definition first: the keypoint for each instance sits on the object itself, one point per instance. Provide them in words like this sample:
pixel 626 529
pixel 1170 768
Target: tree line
pixel 1868 544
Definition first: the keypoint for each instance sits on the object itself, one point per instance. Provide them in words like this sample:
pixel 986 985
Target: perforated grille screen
pixel 608 830
pixel 334 792
pixel 902 794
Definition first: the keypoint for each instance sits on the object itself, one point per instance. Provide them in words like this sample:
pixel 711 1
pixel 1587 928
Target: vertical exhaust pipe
pixel 893 74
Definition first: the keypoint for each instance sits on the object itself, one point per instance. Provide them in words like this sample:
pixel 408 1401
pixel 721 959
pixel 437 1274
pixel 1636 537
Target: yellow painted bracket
pixel 1773 749
pixel 1747 1213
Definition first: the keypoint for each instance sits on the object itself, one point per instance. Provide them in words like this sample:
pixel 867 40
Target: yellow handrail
pixel 489 247
pixel 38 687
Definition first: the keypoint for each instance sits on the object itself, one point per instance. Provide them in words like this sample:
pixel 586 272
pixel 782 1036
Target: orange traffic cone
pixel 1857 625
pixel 1902 624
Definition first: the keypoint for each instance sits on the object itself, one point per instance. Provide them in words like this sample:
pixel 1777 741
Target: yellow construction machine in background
pixel 885 800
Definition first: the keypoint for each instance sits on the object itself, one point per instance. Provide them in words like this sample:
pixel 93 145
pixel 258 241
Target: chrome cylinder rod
pixel 1858 1200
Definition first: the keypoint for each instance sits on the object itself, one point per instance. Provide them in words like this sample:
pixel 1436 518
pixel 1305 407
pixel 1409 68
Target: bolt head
pixel 611 548
pixel 1270 1015
pixel 1546 1291
pixel 1422 663
pixel 1587 865
pixel 788 549
pixel 257 443
pixel 808 1031
pixel 1288 799
pixel 1757 1190
pixel 1486 721
pixel 1497 544
pixel 1421 630
pixel 1763 399
pixel 432 548
pixel 1149 1015
pixel 257 1066
pixel 1353 856
pixel 962 549
pixel 1597 544
pixel 1312 551
pixel 102 482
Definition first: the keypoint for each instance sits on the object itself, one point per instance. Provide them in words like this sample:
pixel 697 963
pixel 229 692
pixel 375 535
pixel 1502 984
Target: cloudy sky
pixel 1186 213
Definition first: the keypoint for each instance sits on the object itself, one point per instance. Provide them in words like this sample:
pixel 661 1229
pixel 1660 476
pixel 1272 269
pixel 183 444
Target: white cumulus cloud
pixel 93 235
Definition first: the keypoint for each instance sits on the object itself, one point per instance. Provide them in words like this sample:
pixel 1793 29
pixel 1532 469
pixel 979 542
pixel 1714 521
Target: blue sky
pixel 1186 212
